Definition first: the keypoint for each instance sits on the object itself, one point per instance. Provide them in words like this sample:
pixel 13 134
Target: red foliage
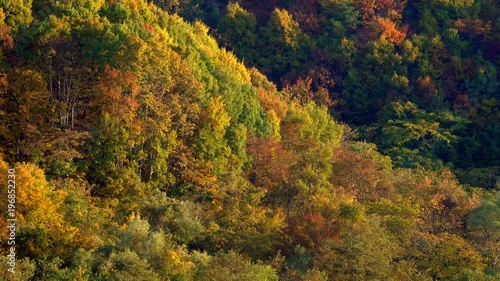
pixel 462 103
pixel 473 28
pixel 426 90
pixel 305 12
pixel 366 9
pixel 310 228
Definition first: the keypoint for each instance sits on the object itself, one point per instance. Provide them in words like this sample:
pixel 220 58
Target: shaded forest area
pixel 259 140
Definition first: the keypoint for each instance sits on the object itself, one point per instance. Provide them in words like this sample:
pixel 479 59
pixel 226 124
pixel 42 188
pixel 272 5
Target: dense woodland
pixel 252 140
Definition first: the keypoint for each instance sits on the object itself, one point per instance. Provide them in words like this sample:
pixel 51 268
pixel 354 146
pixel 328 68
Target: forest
pixel 250 140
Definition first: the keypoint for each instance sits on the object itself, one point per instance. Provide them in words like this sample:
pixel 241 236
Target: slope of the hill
pixel 426 69
pixel 143 151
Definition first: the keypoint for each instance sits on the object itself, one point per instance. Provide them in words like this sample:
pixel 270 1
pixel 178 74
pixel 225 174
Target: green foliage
pixel 483 225
pixel 181 219
pixel 143 151
pixel 439 55
pixel 284 46
pixel 115 13
pixel 310 131
pixel 485 177
pixel 366 253
pixel 413 137
pixel 241 222
pixel 448 256
pixel 314 124
pixel 238 27
pixel 340 10
pixel 25 270
pixel 126 265
pixel 231 266
pixel 17 13
pixel 370 150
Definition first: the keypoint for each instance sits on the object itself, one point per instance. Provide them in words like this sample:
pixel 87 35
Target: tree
pixel 239 221
pixel 17 13
pixel 38 211
pixel 365 251
pixel 127 266
pixel 211 144
pixel 343 11
pixel 445 256
pixel 6 39
pixel 25 270
pixel 238 31
pixel 414 137
pixel 28 113
pixel 232 266
pixel 284 46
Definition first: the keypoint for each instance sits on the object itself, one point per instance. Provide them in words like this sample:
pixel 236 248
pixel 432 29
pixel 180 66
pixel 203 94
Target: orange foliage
pixel 272 101
pixel 6 40
pixel 271 162
pixel 149 27
pixel 359 176
pixel 390 31
pixel 302 92
pixel 366 8
pixel 445 203
pixel 372 8
pixel 118 94
pixel 310 228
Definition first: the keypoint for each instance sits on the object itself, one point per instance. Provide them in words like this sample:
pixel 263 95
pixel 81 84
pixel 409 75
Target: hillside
pixel 427 69
pixel 141 150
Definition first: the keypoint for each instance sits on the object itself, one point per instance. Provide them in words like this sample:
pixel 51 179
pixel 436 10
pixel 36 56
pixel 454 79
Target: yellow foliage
pixel 32 190
pixel 178 263
pixel 275 125
pixel 218 117
pixel 38 205
pixel 59 23
pixel 228 60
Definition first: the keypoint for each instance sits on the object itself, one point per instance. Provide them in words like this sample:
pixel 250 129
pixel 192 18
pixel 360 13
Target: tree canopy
pixel 149 144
